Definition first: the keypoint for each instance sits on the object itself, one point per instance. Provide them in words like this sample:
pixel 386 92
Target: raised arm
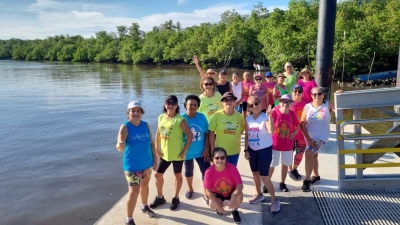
pixel 196 62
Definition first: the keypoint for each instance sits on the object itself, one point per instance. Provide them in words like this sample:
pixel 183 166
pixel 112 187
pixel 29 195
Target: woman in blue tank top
pixel 136 142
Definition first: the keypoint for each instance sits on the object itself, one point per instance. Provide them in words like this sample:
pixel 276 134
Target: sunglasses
pixel 208 84
pixel 315 94
pixel 258 79
pixel 252 105
pixel 286 102
pixel 170 103
pixel 219 157
pixel 295 91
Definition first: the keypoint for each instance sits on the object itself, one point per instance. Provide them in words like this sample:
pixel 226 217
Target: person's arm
pixel 196 62
pixel 271 124
pixel 157 143
pixel 295 123
pixel 246 141
pixel 251 91
pixel 303 126
pixel 211 138
pixel 230 87
pixel 275 93
pixel 206 153
pixel 212 127
pixel 121 139
pixel 189 137
pixel 153 148
pixel 266 96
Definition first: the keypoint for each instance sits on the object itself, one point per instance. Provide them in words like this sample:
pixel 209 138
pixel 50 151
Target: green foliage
pixel 270 36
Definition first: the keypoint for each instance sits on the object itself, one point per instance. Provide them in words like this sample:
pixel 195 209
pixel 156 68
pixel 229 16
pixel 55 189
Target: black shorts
pixel 222 197
pixel 244 106
pixel 163 166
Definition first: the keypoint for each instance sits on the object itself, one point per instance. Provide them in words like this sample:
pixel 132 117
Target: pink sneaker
pixel 275 205
pixel 257 198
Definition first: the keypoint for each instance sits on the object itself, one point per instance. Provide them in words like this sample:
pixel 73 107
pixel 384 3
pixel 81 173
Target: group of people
pixel 277 118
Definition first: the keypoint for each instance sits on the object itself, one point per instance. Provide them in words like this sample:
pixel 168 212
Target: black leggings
pixel 163 166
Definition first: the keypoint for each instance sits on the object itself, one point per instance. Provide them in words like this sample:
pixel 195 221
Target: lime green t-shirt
pixel 171 136
pixel 208 106
pixel 290 80
pixel 228 130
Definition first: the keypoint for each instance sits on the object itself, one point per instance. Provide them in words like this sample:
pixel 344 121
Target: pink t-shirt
pixel 307 87
pixel 261 93
pixel 297 108
pixel 284 125
pixel 246 88
pixel 270 88
pixel 223 182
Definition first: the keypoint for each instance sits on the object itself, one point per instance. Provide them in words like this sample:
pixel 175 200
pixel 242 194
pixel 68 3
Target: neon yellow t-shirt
pixel 171 136
pixel 290 80
pixel 228 130
pixel 210 105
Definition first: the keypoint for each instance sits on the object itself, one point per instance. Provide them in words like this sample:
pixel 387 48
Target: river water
pixel 58 128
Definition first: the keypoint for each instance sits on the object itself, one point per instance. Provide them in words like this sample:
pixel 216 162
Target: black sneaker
pixel 315 179
pixel 306 186
pixel 283 187
pixel 174 203
pixel 146 210
pixel 236 217
pixel 131 222
pixel 296 175
pixel 264 189
pixel 157 202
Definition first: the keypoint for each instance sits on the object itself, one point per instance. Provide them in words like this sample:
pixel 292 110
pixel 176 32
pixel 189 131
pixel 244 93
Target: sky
pixel 32 19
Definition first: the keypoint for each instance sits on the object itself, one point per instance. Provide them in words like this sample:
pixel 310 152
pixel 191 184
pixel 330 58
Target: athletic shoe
pixel 146 210
pixel 306 186
pixel 257 198
pixel 131 222
pixel 174 203
pixel 189 194
pixel 294 174
pixel 283 187
pixel 264 189
pixel 275 205
pixel 315 179
pixel 157 202
pixel 236 217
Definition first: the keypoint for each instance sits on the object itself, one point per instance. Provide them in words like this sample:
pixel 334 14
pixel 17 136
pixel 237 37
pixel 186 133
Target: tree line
pixel 267 37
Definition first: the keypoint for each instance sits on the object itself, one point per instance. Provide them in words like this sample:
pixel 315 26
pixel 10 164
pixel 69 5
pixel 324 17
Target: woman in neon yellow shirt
pixel 170 148
pixel 226 127
pixel 210 101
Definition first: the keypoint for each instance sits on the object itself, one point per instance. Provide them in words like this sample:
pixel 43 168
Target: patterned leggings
pixel 299 148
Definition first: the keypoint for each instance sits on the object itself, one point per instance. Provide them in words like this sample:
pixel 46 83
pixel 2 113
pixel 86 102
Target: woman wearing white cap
pixel 136 142
pixel 291 76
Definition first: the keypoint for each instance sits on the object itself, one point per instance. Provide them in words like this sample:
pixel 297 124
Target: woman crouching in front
pixel 223 184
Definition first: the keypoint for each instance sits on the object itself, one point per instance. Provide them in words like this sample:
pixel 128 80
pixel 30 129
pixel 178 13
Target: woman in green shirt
pixel 170 148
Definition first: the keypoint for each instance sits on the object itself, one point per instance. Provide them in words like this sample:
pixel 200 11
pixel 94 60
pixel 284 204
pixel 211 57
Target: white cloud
pixel 182 2
pixel 56 18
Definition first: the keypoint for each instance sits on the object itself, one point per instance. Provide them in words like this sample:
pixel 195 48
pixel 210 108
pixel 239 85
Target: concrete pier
pixel 297 207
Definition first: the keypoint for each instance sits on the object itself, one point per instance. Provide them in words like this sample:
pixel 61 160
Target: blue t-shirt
pixel 199 126
pixel 137 154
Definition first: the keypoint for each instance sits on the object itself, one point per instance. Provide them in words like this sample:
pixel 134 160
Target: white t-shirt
pixel 318 120
pixel 237 90
pixel 259 137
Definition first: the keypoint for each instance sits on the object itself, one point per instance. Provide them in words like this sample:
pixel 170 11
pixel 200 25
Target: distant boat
pixel 376 76
pixel 258 67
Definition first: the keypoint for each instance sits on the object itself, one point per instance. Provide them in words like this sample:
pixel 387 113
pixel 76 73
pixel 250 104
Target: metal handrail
pixel 368 137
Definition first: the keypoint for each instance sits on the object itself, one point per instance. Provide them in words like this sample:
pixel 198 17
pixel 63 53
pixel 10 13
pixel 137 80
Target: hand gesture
pixel 155 164
pixel 247 155
pixel 182 155
pixel 195 59
pixel 206 155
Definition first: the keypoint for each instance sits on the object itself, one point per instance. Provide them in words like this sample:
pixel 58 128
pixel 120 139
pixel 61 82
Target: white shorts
pixel 284 157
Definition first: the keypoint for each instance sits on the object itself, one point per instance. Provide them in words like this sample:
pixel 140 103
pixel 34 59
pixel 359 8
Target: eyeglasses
pixel 258 79
pixel 170 103
pixel 252 105
pixel 219 157
pixel 315 94
pixel 297 91
pixel 208 84
pixel 286 102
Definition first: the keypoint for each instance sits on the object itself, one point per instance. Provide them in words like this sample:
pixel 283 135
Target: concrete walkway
pixel 296 205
